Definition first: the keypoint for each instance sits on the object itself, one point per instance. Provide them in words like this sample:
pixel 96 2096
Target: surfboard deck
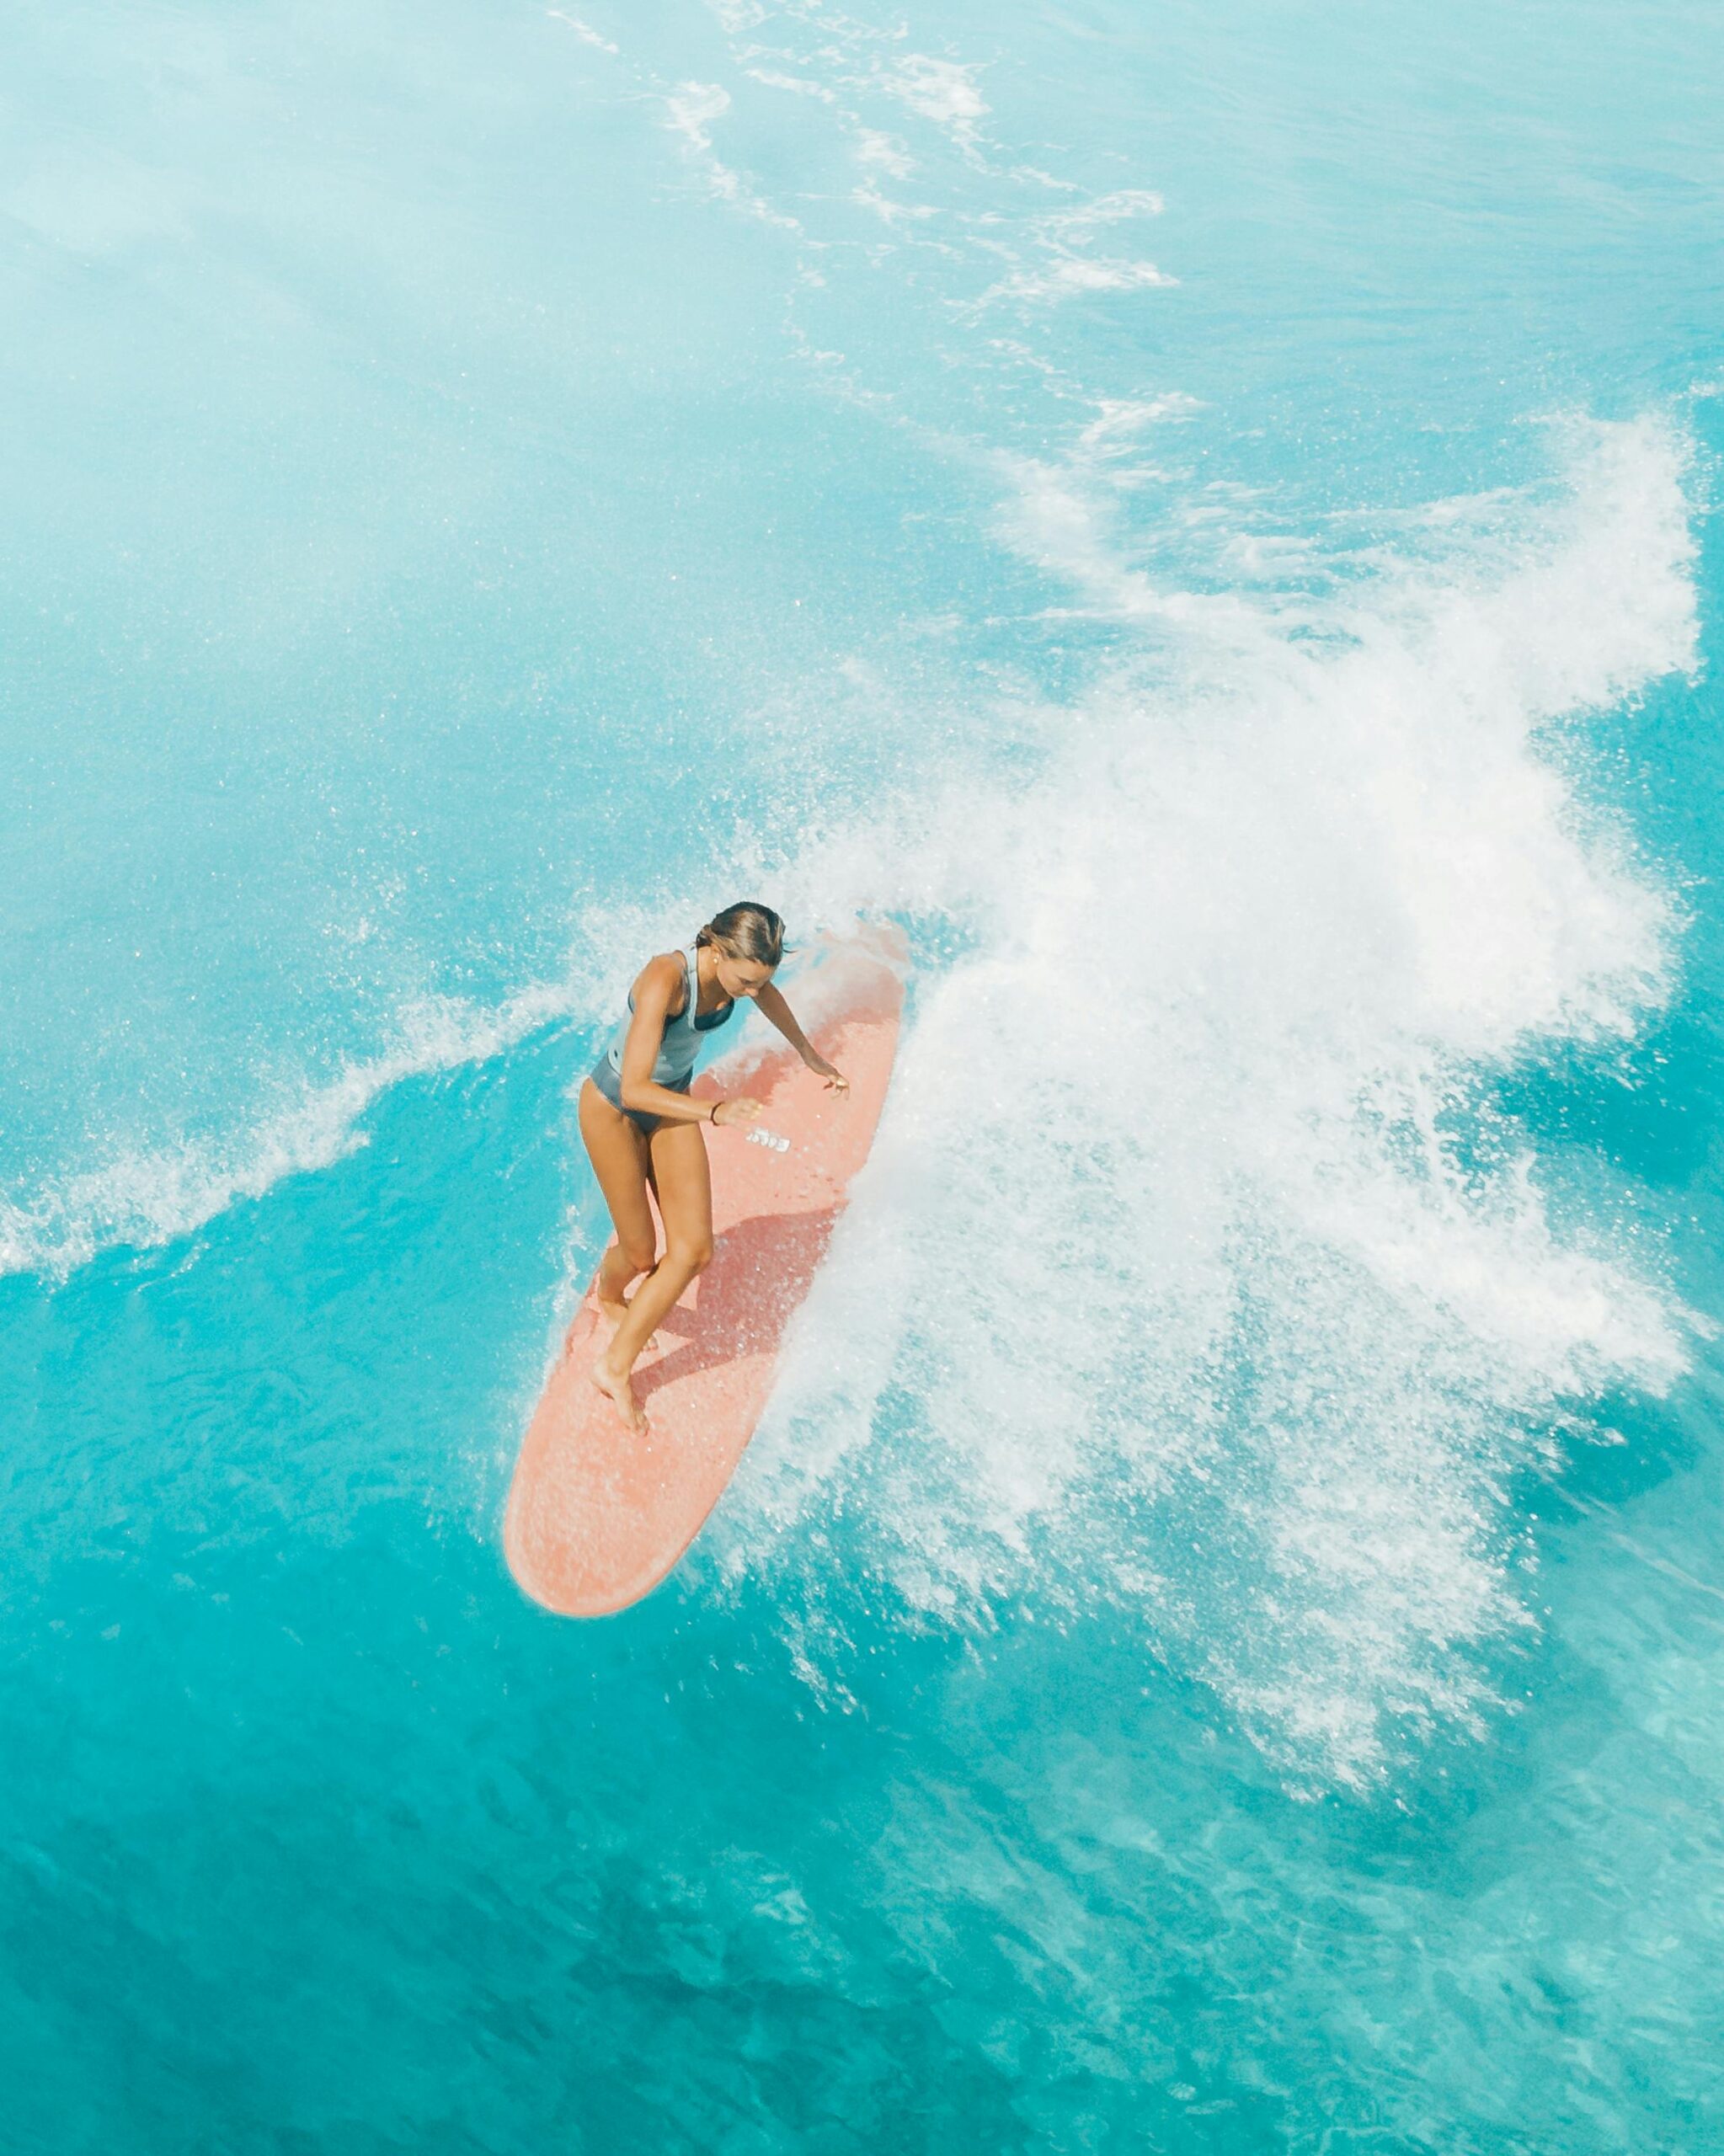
pixel 599 1514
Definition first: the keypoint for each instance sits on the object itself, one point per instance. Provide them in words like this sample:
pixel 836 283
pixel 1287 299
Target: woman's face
pixel 741 977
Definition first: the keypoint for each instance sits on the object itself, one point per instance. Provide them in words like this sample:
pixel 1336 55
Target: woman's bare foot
pixel 617 1389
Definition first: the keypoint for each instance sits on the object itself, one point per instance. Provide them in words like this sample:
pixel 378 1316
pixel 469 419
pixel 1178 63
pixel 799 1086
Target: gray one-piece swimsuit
pixel 674 1066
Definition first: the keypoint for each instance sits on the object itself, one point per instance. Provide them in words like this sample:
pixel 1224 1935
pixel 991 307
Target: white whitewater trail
pixel 1187 1274
pixel 141 1198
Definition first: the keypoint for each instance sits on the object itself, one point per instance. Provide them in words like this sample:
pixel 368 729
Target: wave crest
pixel 1193 1272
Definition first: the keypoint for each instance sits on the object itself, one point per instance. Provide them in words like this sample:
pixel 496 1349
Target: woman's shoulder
pixel 663 970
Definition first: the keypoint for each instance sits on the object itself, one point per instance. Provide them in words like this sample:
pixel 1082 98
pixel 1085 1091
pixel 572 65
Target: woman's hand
pixel 836 1082
pixel 738 1108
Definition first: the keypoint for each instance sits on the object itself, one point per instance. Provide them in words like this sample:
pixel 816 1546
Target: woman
pixel 640 1127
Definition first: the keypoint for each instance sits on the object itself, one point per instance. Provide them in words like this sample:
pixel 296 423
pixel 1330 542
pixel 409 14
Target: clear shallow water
pixel 1204 519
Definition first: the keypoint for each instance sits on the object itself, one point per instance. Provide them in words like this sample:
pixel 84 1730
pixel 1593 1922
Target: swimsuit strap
pixel 692 1014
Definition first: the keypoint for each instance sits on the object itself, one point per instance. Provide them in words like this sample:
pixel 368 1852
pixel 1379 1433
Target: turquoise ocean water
pixel 1201 515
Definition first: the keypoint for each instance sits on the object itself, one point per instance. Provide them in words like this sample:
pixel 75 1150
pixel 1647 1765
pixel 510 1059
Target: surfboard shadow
pixel 760 1271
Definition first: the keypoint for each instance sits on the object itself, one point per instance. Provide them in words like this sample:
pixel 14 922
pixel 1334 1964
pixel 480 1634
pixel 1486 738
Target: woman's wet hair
pixel 748 931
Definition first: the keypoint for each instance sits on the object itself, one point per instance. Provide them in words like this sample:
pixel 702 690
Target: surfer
pixel 642 1128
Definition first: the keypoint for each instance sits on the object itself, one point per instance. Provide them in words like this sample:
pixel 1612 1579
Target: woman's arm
pixel 780 1014
pixel 655 991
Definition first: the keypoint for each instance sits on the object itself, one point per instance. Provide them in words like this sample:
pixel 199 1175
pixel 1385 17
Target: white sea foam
pixel 1173 1280
pixel 692 107
pixel 869 197
pixel 1063 237
pixel 143 1197
pixel 944 91
pixel 1067 274
pixel 584 30
pixel 876 148
pixel 1118 418
pixel 801 86
pixel 690 110
pixel 1125 204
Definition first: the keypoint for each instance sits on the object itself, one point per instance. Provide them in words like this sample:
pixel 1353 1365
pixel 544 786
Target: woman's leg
pixel 678 1156
pixel 618 1150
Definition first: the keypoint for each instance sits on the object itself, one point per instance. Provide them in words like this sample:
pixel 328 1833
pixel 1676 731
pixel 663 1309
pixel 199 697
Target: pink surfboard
pixel 598 1515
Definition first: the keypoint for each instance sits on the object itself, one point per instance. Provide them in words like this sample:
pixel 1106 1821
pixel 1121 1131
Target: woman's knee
pixel 640 1256
pixel 692 1253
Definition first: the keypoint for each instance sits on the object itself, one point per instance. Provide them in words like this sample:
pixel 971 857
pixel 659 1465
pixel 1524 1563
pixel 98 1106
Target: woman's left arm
pixel 781 1015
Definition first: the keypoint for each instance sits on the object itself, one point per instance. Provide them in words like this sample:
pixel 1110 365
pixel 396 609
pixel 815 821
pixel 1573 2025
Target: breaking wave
pixel 1193 1269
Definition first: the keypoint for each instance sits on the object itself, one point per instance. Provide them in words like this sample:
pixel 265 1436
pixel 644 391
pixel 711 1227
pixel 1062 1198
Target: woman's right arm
pixel 655 991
